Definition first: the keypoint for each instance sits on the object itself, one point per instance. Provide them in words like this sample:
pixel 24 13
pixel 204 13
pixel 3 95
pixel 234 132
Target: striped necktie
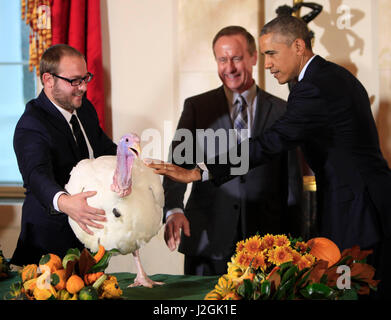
pixel 240 119
pixel 81 142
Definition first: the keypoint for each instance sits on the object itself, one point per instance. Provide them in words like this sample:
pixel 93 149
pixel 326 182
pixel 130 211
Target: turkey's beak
pixel 135 148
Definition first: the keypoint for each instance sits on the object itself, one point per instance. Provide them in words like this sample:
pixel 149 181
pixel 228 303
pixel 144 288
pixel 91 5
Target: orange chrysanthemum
pixel 280 255
pixel 258 261
pixel 296 256
pixel 253 245
pixel 306 261
pixel 282 241
pixel 240 246
pixel 267 242
pixel 243 259
pixel 301 246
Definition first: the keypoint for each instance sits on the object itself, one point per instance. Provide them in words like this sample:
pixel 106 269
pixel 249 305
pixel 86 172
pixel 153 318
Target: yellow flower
pixel 240 246
pixel 253 245
pixel 301 246
pixel 243 259
pixel 282 241
pixel 268 241
pixel 280 255
pixel 306 261
pixel 258 261
pixel 296 256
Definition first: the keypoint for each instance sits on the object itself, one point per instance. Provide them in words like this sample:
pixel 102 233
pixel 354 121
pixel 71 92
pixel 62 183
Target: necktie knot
pixel 81 142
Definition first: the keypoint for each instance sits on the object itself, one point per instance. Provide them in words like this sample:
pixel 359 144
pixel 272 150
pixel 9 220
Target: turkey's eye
pixel 127 140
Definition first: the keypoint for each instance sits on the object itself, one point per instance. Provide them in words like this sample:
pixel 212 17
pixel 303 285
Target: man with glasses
pixel 57 130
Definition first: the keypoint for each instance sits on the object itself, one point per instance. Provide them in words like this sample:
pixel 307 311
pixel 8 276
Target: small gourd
pixel 224 286
pixel 213 295
pixel 90 278
pixel 29 272
pixel 52 261
pixel 74 284
pixel 58 279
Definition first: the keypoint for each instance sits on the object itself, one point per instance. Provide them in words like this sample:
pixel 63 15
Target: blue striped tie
pixel 240 118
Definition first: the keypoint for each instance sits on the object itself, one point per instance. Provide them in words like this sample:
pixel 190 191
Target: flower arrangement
pixel 277 267
pixel 77 276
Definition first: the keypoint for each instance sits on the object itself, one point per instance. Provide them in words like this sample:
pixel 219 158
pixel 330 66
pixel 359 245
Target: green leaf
pixel 303 280
pixel 318 291
pixel 284 267
pixel 284 289
pixel 265 289
pixel 323 279
pixel 348 294
pixel 102 264
pixel 248 288
pixel 289 273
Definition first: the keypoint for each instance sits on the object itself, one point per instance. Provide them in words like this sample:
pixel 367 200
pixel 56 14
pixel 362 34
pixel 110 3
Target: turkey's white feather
pixel 141 211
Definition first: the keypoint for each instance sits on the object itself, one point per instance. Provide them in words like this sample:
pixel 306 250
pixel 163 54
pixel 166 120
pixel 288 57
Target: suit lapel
pixel 57 120
pixel 222 113
pixel 261 113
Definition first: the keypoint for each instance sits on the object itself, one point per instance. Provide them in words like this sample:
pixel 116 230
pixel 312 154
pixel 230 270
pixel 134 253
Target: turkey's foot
pixel 144 281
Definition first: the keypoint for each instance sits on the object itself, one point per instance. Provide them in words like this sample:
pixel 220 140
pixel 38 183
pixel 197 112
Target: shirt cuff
pixel 205 172
pixel 172 211
pixel 55 200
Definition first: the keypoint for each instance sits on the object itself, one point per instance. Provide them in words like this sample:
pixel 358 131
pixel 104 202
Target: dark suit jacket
pixel 46 152
pixel 256 202
pixel 329 116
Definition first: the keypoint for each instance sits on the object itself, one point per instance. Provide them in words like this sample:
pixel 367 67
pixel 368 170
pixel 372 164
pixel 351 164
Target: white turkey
pixel 131 195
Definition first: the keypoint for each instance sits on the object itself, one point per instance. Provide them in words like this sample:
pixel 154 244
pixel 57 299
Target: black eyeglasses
pixel 76 82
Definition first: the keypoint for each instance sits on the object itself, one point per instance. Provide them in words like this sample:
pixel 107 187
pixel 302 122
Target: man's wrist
pixel 197 174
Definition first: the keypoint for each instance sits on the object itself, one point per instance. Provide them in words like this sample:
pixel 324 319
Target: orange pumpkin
pixel 325 249
pixel 52 261
pixel 74 284
pixel 58 279
pixel 90 278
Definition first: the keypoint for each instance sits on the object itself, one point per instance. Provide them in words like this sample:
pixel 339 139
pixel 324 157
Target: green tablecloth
pixel 176 287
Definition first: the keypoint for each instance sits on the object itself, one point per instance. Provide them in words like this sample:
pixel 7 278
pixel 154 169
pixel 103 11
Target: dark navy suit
pixel 329 116
pixel 255 202
pixel 46 152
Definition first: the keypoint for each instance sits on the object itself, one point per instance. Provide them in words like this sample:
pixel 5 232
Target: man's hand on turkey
pixel 76 207
pixel 173 171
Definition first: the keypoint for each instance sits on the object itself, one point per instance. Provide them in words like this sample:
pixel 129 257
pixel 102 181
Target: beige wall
pixel 351 43
pixel 158 52
pixel 383 117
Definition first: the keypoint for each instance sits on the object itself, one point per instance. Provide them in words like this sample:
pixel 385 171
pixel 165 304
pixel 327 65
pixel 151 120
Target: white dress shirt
pixel 250 96
pixel 67 115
